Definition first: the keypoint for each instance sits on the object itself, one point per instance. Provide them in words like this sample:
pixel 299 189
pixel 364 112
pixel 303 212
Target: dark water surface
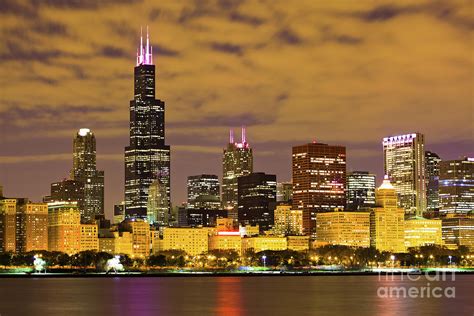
pixel 315 295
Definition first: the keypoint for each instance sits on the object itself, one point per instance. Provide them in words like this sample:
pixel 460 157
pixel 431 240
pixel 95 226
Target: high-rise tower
pixel 237 161
pixel 147 158
pixel 84 170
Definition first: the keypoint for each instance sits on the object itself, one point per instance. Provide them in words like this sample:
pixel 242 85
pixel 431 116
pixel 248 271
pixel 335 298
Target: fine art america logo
pixel 417 284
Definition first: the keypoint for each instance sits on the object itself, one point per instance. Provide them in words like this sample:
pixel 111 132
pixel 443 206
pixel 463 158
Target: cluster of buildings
pixel 423 199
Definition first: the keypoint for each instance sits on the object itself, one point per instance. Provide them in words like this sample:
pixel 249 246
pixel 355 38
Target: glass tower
pixel 360 190
pixel 456 185
pixel 432 161
pixel 204 192
pixel 147 158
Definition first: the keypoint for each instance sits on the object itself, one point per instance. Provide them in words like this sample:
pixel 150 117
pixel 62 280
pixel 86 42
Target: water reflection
pixel 229 296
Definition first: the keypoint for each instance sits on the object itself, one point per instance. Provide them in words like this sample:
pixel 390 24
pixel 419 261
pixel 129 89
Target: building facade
pixel 89 237
pixel 204 192
pixel 343 228
pixel 147 158
pixel 387 220
pixel 237 161
pixel 256 196
pixel 64 227
pixel 68 191
pixel 85 171
pixel 420 232
pixel 360 190
pixel 194 241
pixel 285 192
pixel 32 227
pixel 404 163
pixel 8 225
pixel 456 186
pixel 432 161
pixel 287 221
pixel 158 209
pixel 319 181
pixel 458 231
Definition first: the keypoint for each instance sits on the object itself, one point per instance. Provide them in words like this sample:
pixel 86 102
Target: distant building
pixel 360 190
pixel 262 243
pixel 343 228
pixel 287 221
pixel 203 217
pixel 387 221
pixel 85 171
pixel 458 231
pixel 319 181
pixel 117 243
pixel 89 237
pixel 226 240
pixel 256 199
pixel 64 227
pixel 432 162
pixel 420 231
pixel 237 161
pixel 119 212
pixel 284 192
pixel 194 241
pixel 8 225
pixel 147 157
pixel 204 192
pixel 68 191
pixel 404 163
pixel 158 208
pixel 456 186
pixel 32 227
pixel 298 243
pixel 140 230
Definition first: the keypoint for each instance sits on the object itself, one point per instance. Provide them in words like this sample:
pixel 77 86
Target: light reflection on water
pixel 229 296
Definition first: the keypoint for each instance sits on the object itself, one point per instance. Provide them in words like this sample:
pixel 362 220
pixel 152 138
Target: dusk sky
pixel 339 72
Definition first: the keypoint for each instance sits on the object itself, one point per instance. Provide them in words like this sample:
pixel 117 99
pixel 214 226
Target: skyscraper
pixel 360 190
pixel 158 207
pixel 67 191
pixel 456 185
pixel 319 181
pixel 237 161
pixel 404 163
pixel 147 158
pixel 256 199
pixel 85 171
pixel 285 192
pixel 32 226
pixel 204 192
pixel 432 161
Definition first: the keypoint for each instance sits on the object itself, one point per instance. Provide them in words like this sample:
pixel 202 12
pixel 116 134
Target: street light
pixel 392 257
pixel 264 258
pixel 450 259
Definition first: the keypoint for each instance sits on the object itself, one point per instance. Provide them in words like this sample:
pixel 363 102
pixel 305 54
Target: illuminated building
pixel 319 181
pixel 64 227
pixel 387 220
pixel 404 163
pixel 420 231
pixel 85 171
pixel 262 243
pixel 256 199
pixel 343 228
pixel 224 224
pixel 458 231
pixel 226 240
pixel 194 241
pixel 287 221
pixel 237 161
pixel 158 209
pixel 117 243
pixel 140 230
pixel 147 158
pixel 432 161
pixel 89 237
pixel 360 190
pixel 456 186
pixel 7 225
pixel 284 192
pixel 204 192
pixel 32 226
pixel 249 230
pixel 70 191
pixel 298 243
pixel 203 217
pixel 119 212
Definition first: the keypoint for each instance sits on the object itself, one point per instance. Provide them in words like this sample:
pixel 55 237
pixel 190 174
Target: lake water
pixel 229 295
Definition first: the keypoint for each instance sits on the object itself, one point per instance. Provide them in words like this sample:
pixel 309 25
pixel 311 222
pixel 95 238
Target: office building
pixel 85 171
pixel 404 163
pixel 262 243
pixel 117 243
pixel 319 181
pixel 387 220
pixel 204 192
pixel 343 228
pixel 287 221
pixel 226 240
pixel 8 225
pixel 32 226
pixel 298 243
pixel 158 208
pixel 89 237
pixel 458 231
pixel 141 238
pixel 456 186
pixel 420 232
pixel 147 158
pixel 64 227
pixel 284 192
pixel 256 196
pixel 203 217
pixel 360 190
pixel 432 161
pixel 194 241
pixel 119 212
pixel 237 161
pixel 70 191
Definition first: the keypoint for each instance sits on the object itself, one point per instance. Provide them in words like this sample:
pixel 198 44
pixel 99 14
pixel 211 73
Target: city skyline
pixel 276 114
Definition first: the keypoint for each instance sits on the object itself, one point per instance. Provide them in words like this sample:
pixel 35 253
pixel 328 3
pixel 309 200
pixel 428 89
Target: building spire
pixel 145 52
pixel 244 140
pixel 231 136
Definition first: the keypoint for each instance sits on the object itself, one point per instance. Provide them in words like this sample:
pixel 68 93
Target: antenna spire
pixel 244 140
pixel 231 136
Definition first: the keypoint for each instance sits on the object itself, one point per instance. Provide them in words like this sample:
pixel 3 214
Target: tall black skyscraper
pixel 147 158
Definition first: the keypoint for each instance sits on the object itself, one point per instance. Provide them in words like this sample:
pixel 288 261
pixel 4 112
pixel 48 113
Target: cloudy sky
pixel 340 72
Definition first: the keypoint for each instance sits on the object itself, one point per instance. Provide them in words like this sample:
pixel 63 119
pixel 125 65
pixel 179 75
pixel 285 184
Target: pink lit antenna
pixel 244 140
pixel 231 136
